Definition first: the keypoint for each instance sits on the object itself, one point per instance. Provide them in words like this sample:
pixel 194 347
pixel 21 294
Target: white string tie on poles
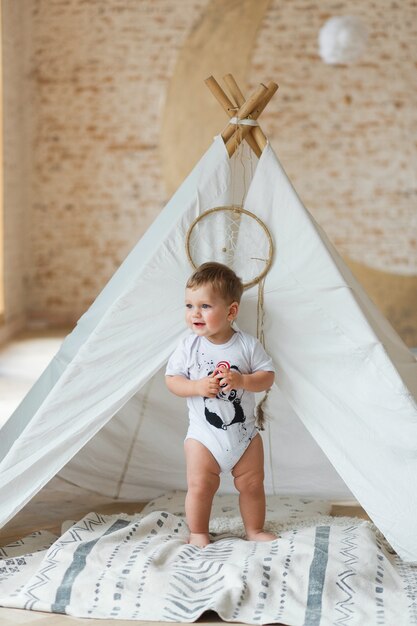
pixel 246 121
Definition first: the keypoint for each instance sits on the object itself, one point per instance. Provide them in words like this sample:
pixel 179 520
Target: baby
pixel 218 369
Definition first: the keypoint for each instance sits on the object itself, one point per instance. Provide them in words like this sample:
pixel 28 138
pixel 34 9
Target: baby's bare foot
pixel 260 535
pixel 201 540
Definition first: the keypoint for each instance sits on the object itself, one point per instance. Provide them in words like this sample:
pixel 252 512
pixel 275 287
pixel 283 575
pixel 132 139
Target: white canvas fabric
pixel 102 417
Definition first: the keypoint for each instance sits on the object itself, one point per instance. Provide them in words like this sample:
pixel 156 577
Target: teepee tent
pixel 100 414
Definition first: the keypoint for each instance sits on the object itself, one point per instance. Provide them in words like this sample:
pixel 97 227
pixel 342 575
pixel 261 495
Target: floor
pixel 21 362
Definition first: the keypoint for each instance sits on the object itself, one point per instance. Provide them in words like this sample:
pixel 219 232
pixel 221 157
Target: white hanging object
pixel 342 40
pixel 233 236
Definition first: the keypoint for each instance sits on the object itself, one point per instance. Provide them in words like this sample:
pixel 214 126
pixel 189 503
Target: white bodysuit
pixel 225 424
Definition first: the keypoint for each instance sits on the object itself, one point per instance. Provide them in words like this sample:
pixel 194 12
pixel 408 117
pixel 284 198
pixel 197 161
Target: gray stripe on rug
pixel 316 576
pixel 79 559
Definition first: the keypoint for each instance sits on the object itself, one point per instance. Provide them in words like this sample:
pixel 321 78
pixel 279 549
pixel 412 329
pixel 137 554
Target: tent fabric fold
pixel 342 414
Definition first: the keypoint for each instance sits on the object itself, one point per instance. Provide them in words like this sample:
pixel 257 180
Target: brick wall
pixel 347 135
pixel 15 39
pixel 99 73
pixel 87 82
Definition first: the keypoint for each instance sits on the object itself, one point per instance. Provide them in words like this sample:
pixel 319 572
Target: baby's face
pixel 208 315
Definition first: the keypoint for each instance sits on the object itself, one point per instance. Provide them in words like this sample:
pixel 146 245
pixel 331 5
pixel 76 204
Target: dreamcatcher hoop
pixel 236 211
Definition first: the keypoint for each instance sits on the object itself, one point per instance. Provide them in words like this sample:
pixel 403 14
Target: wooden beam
pixel 252 108
pixel 239 99
pixel 237 137
pixel 255 131
pixel 246 110
pixel 230 109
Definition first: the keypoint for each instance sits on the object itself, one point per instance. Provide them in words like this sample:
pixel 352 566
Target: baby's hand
pixel 208 387
pixel 230 379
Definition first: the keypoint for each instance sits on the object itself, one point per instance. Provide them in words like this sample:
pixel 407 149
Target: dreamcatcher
pixel 233 236
pixel 237 238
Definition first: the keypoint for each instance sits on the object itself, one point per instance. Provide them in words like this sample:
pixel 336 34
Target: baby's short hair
pixel 222 279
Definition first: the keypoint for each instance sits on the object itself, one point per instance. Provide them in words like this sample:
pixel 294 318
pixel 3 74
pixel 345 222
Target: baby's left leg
pixel 249 481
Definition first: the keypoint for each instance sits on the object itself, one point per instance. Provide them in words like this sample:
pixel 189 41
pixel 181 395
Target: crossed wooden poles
pixel 242 109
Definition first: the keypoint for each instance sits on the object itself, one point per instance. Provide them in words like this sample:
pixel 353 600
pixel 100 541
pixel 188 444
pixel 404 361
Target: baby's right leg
pixel 203 481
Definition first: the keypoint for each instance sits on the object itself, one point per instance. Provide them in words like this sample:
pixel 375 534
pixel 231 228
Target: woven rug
pixel 320 571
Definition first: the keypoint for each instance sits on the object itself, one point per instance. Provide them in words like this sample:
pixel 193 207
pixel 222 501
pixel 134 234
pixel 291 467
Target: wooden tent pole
pixel 255 131
pixel 253 107
pixel 234 89
pixel 235 139
pixel 250 106
pixel 220 96
pixel 233 135
pixel 230 109
pixel 239 99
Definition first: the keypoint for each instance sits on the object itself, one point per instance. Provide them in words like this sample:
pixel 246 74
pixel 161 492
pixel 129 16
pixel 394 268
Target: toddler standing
pixel 218 369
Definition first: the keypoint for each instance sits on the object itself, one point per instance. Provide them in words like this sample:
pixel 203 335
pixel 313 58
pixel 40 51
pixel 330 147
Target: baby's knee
pixel 203 483
pixel 250 483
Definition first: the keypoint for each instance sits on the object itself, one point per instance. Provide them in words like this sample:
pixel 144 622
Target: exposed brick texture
pixel 16 163
pixel 86 82
pixel 346 135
